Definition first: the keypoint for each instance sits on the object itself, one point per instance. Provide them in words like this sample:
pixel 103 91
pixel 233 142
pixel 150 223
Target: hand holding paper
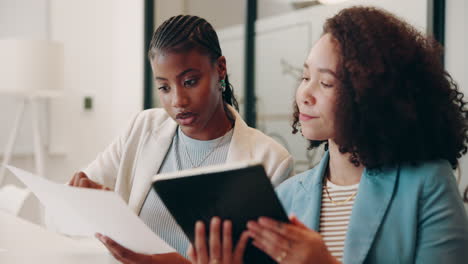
pixel 84 212
pixel 80 179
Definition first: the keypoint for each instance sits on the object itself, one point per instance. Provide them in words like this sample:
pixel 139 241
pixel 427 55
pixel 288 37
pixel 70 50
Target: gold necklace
pixel 329 197
pixel 206 156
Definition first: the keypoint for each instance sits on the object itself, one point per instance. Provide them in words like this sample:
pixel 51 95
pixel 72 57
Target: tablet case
pixel 240 195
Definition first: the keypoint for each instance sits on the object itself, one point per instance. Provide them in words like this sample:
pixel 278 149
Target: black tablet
pixel 240 193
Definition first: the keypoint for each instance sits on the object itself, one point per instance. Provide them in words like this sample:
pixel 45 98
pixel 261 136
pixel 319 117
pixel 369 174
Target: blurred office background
pixel 107 79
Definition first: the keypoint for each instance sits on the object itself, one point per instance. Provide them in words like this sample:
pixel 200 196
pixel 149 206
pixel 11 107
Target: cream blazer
pixel 129 163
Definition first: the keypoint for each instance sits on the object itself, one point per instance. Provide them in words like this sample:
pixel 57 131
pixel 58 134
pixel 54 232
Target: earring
pixel 223 85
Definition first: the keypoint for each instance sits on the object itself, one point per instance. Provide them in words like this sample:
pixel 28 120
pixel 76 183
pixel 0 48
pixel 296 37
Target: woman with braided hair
pixel 374 90
pixel 198 126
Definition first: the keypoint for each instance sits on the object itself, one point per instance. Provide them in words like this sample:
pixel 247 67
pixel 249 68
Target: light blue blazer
pixel 405 214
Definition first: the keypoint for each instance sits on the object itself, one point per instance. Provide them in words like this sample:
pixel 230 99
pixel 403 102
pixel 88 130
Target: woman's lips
pixel 186 119
pixel 304 117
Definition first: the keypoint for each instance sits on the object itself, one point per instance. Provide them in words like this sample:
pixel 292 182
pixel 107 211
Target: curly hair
pixel 395 101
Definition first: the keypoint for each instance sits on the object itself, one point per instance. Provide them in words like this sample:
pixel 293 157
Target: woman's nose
pixel 306 95
pixel 180 97
pixel 309 100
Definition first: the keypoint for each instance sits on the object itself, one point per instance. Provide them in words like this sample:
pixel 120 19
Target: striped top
pixel 183 152
pixel 334 217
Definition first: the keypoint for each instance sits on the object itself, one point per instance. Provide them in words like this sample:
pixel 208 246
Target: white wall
pixel 103 46
pixel 21 19
pixel 103 43
pixel 24 19
pixel 456 57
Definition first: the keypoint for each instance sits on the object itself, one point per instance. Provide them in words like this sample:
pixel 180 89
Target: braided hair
pixel 183 33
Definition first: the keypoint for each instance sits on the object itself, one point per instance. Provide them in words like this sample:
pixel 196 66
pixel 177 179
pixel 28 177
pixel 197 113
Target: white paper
pixel 84 212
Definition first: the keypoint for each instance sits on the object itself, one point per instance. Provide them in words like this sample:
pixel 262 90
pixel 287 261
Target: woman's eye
pixel 324 84
pixel 190 82
pixel 305 78
pixel 163 88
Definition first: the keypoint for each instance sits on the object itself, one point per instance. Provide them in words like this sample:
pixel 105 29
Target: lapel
pixel 375 192
pixel 312 200
pixel 153 151
pixel 240 148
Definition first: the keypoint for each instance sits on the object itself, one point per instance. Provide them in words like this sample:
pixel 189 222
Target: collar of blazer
pixel 157 143
pixel 375 192
pixel 165 131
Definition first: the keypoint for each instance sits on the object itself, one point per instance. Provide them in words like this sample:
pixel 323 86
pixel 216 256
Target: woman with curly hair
pixel 374 90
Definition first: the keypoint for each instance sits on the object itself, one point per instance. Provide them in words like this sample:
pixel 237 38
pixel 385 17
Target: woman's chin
pixel 314 136
pixel 188 130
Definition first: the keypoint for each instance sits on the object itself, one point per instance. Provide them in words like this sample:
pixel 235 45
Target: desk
pixel 24 242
